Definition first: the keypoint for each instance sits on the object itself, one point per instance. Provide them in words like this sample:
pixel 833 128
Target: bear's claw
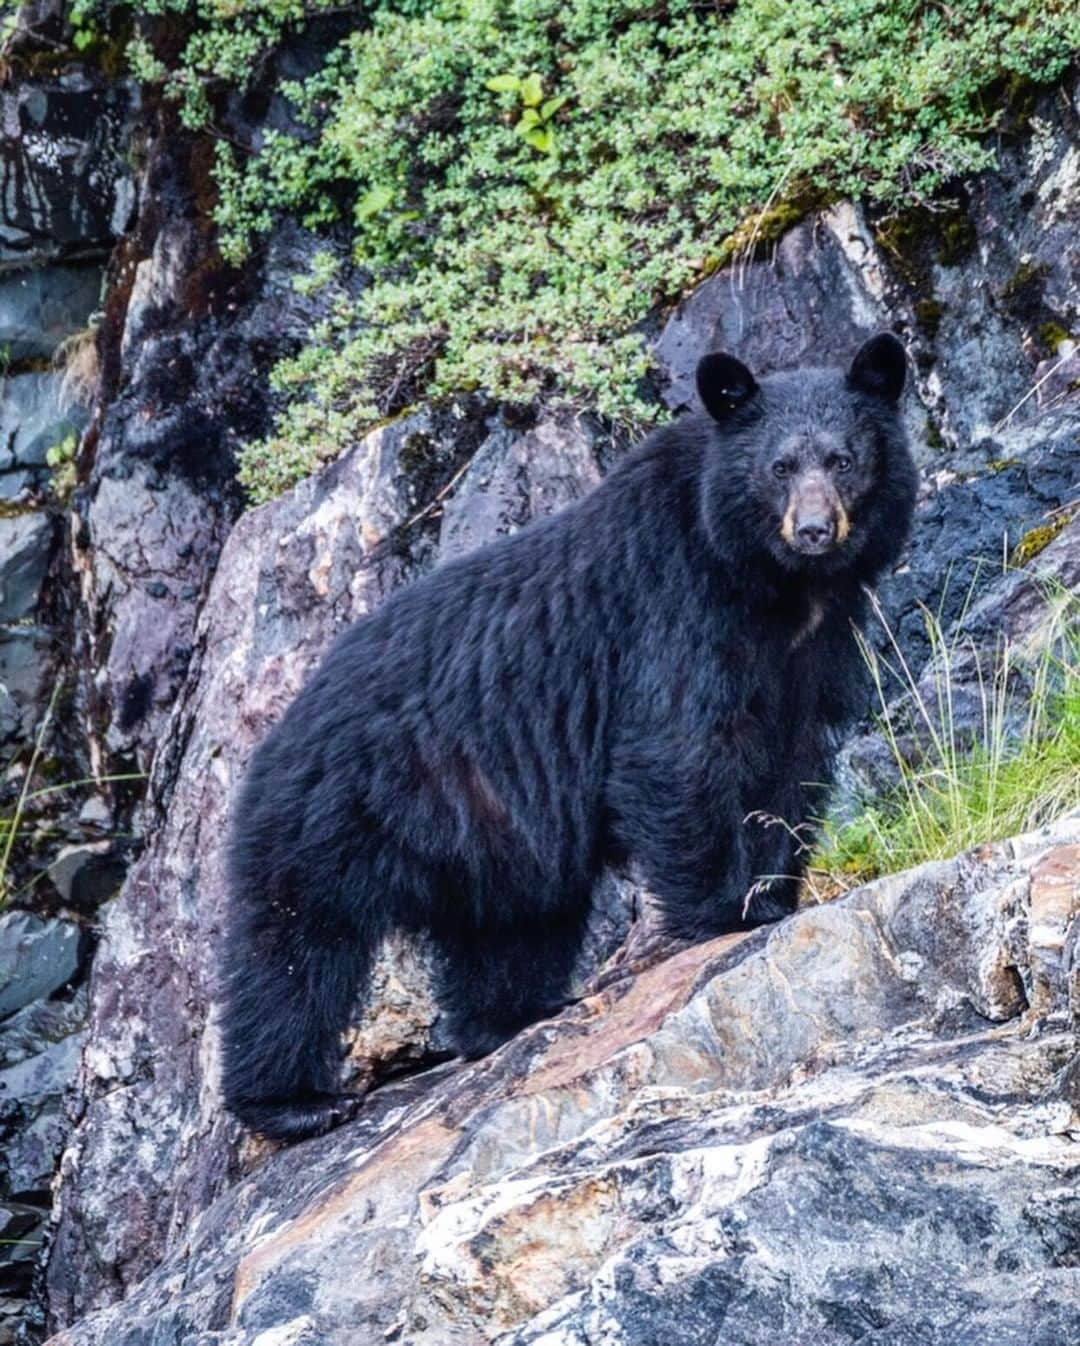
pixel 297 1118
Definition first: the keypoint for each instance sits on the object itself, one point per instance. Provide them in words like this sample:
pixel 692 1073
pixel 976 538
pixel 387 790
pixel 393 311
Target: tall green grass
pixel 960 785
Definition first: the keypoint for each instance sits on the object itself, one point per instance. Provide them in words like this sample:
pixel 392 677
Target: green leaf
pixel 551 106
pixel 372 202
pixel 83 38
pixel 503 84
pixel 531 90
pixel 542 140
pixel 529 118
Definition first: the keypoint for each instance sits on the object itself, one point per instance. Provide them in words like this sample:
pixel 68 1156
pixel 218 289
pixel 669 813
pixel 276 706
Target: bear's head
pixel 810 467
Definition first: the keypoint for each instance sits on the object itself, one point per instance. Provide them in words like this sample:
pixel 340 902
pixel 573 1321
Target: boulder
pixel 25 544
pixel 41 307
pixel 88 873
pixel 38 957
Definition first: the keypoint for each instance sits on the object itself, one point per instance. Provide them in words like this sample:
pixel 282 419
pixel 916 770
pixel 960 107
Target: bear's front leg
pixel 699 874
pixel 684 826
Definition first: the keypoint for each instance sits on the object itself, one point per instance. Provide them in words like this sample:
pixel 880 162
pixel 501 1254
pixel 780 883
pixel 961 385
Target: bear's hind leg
pixel 290 984
pixel 492 983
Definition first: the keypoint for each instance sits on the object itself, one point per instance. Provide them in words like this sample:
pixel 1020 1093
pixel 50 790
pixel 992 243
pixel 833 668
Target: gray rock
pixel 17 1259
pixel 35 1087
pixel 20 1239
pixel 812 302
pixel 25 546
pixel 37 957
pixel 31 420
pixel 87 874
pixel 1021 609
pixel 25 654
pixel 96 813
pixel 967 529
pixel 39 308
pixel 163 496
pixel 502 489
pixel 39 1025
pixel 852 1125
pixel 39 1052
pixel 9 711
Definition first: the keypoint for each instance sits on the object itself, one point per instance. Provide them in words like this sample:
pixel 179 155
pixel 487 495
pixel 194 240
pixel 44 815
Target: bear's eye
pixel 841 462
pixel 783 467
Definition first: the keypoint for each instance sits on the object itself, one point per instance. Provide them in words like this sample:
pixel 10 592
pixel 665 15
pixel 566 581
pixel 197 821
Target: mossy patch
pixel 957 237
pixel 1023 290
pixel 14 509
pixel 758 230
pixel 915 240
pixel 424 463
pixel 1038 539
pixel 1052 335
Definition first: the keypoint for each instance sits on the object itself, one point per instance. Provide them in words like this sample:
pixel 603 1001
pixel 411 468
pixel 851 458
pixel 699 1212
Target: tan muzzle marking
pixel 787 525
pixel 843 524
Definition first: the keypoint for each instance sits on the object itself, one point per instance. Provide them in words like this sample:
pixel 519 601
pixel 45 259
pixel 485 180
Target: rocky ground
pixel 855 1127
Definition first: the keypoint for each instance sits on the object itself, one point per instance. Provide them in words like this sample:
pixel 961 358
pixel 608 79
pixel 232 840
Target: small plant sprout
pixel 534 124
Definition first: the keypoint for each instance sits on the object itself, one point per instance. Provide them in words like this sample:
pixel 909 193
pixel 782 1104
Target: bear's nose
pixel 816 532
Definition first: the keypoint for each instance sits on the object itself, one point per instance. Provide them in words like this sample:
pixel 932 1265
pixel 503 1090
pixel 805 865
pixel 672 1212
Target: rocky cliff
pixel 857 1126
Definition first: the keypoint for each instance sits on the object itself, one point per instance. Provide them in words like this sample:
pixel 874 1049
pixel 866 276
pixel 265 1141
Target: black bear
pixel 639 677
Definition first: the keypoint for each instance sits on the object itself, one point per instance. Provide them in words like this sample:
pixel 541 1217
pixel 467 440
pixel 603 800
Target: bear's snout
pixel 815 520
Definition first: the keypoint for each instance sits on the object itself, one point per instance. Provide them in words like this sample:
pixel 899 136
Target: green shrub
pixel 524 181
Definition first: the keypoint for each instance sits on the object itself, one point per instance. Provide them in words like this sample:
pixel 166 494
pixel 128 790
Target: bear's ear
pixel 879 367
pixel 723 384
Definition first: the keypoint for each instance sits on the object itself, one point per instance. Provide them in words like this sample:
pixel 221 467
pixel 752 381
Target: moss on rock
pixel 1036 540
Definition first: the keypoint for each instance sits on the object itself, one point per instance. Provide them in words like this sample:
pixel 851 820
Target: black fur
pixel 630 678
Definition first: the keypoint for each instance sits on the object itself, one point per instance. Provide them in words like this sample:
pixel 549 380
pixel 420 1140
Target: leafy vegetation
pixel 959 787
pixel 526 181
pixel 522 182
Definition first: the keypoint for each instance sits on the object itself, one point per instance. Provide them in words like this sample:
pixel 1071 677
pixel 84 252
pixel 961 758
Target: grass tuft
pixel 962 784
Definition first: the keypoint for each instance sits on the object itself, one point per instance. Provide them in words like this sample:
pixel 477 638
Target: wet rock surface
pixel 64 179
pixel 856 1125
pixel 37 956
pixel 188 356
